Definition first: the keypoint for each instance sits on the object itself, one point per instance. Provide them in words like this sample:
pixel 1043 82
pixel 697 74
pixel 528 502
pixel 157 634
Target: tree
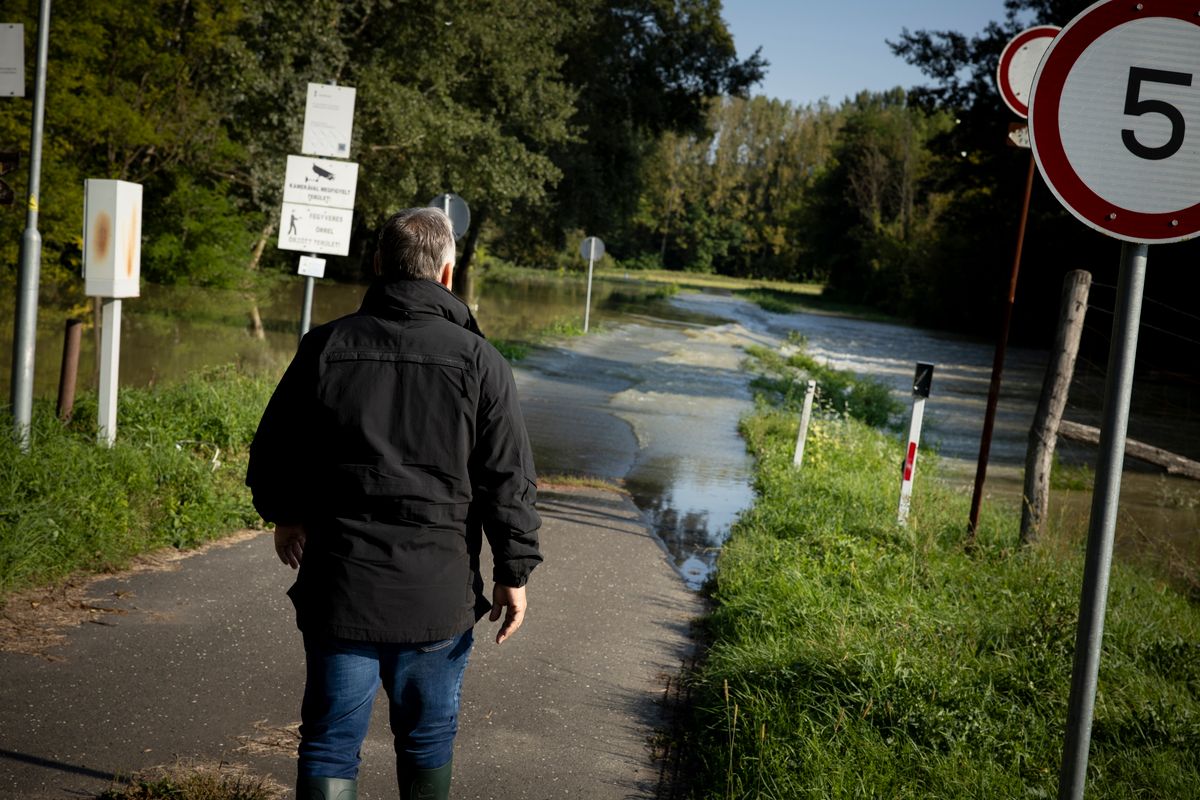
pixel 969 265
pixel 641 68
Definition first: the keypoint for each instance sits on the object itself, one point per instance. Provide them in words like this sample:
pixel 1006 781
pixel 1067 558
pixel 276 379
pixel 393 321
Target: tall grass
pixel 851 657
pixel 173 478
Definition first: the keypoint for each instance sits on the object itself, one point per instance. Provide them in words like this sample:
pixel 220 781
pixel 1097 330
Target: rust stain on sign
pixel 101 236
pixel 131 241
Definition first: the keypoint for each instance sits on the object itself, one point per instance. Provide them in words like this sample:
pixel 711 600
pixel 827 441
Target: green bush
pixel 174 477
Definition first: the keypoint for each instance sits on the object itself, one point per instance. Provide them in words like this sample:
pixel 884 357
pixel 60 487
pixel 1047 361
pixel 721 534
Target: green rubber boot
pixel 326 789
pixel 426 784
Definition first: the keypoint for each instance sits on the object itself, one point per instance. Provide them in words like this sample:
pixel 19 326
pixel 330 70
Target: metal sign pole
pixel 989 416
pixel 25 326
pixel 1102 529
pixel 588 304
pixel 306 307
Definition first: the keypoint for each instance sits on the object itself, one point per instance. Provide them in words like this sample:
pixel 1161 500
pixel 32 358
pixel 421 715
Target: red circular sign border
pixel 1089 207
pixel 1006 57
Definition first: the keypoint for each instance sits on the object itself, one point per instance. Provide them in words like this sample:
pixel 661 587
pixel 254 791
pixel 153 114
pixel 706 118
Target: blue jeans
pixel 423 683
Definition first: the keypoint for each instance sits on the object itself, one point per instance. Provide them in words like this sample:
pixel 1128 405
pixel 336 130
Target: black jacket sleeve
pixel 280 449
pixel 504 485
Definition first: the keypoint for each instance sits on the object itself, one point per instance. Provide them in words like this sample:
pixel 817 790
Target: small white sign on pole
pixel 328 121
pixel 311 267
pixel 12 59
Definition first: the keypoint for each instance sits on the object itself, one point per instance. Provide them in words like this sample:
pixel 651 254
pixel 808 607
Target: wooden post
pixel 1043 435
pixel 70 370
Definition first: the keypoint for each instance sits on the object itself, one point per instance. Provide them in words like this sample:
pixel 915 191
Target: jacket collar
pixel 399 299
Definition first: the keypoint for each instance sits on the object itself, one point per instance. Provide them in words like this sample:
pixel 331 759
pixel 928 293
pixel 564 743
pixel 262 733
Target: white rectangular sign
pixel 315 230
pixel 311 267
pixel 319 182
pixel 12 59
pixel 328 121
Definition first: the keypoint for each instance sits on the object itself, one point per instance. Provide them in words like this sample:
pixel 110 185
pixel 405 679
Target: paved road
pixel 200 663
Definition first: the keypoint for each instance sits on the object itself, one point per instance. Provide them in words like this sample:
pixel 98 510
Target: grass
pixel 173 478
pixel 194 783
pixel 852 657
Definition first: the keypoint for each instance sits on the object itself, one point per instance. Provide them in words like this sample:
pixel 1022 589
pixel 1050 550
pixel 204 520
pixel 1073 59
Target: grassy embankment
pixel 172 479
pixel 852 657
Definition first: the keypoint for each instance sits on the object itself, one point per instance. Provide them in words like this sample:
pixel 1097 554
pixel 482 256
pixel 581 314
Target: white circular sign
pixel 592 248
pixel 1115 119
pixel 1018 64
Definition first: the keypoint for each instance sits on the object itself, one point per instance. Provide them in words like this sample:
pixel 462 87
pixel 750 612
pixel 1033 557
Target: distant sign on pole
pixel 12 59
pixel 1018 64
pixel 328 121
pixel 592 248
pixel 456 209
pixel 1115 119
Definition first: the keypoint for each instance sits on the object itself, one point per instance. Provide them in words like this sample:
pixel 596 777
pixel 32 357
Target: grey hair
pixel 414 244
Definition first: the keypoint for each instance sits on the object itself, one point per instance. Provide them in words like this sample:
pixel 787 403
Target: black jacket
pixel 395 436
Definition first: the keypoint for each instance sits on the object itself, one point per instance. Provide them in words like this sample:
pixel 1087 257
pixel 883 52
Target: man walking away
pixel 393 444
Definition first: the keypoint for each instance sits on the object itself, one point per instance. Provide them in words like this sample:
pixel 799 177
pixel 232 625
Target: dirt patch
pixel 271 740
pixel 35 620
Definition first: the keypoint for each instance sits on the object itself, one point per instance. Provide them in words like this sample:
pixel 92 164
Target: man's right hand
pixel 289 543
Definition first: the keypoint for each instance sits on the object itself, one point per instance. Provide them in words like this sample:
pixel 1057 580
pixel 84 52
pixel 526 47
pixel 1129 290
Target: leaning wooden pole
pixel 1043 435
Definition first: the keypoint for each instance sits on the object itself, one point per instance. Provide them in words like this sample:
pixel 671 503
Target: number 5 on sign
pixel 1115 119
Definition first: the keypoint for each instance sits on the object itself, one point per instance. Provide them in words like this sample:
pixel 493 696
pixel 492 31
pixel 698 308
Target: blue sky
pixel 835 48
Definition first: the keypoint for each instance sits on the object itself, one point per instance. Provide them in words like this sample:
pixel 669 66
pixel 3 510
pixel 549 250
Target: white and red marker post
pixel 1115 126
pixel 922 382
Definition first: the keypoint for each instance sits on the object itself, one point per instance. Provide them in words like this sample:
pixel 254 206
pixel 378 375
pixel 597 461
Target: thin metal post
pixel 805 417
pixel 1103 525
pixel 587 308
pixel 989 416
pixel 306 308
pixel 25 330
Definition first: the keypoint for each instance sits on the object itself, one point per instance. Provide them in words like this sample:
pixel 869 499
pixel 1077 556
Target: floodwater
pixel 652 396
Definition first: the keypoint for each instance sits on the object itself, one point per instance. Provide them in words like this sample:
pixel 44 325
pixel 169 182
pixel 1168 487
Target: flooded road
pixel 652 397
pixel 657 402
pixel 654 405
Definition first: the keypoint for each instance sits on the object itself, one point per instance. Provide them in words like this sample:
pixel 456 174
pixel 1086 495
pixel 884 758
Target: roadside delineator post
pixel 805 416
pixel 922 382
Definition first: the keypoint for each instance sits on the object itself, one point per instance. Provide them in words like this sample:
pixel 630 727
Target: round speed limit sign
pixel 1114 119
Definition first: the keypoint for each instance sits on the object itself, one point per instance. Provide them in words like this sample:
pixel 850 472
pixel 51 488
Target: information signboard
pixel 328 121
pixel 12 59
